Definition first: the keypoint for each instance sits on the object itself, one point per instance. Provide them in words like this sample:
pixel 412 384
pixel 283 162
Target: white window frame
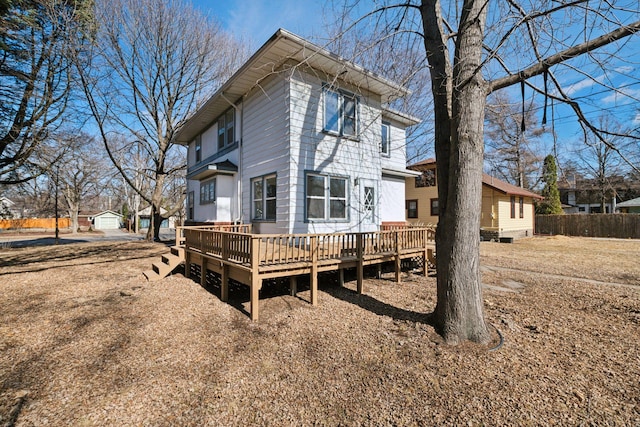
pixel 226 128
pixel 198 148
pixel 263 199
pixel 327 198
pixel 385 133
pixel 208 192
pixel 341 97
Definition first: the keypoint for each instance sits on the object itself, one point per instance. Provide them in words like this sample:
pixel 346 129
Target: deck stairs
pixel 168 263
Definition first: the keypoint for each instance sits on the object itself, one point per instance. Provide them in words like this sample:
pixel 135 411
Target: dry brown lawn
pixel 85 340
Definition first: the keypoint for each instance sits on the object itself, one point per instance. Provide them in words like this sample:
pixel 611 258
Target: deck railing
pixel 272 249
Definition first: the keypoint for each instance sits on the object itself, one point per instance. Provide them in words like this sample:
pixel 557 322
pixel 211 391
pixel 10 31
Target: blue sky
pixel 257 20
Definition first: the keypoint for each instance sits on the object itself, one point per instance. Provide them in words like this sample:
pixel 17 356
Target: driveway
pixel 21 240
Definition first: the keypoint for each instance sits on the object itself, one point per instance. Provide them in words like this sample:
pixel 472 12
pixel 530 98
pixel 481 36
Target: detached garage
pixel 107 220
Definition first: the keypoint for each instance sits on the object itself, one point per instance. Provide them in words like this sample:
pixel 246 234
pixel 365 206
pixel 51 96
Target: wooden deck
pixel 234 252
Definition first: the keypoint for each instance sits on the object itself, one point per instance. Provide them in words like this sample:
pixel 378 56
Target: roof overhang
pixel 271 58
pixel 399 117
pixel 210 169
pixel 400 173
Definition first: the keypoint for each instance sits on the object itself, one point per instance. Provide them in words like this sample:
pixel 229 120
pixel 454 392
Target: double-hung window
pixel 412 209
pixel 263 197
pixel 326 197
pixel 198 148
pixel 208 192
pixel 340 113
pixel 386 139
pixel 190 205
pixel 226 125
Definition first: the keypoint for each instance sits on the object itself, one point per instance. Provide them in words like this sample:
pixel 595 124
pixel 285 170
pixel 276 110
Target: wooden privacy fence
pixel 10 224
pixel 250 258
pixel 622 226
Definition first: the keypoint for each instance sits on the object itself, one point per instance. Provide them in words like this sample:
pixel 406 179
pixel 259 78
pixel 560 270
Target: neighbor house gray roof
pixel 629 203
pixel 284 46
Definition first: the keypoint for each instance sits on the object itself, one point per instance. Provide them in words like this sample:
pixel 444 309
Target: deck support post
pixel 187 263
pixel 360 268
pixel 203 271
pixel 341 277
pixel 314 271
pixel 293 286
pixel 224 284
pixel 256 284
pixel 398 263
pixel 256 281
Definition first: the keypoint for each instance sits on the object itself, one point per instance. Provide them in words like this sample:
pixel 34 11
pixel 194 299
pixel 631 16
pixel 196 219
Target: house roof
pixel 488 180
pixel 106 213
pixel 269 59
pixel 208 169
pixel 629 203
pixel 506 188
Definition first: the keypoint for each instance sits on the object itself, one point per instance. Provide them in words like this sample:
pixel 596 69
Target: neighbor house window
pixel 226 125
pixel 264 198
pixel 427 179
pixel 412 209
pixel 513 206
pixel 386 139
pixel 521 207
pixel 340 113
pixel 326 197
pixel 198 148
pixel 190 197
pixel 208 192
pixel 434 207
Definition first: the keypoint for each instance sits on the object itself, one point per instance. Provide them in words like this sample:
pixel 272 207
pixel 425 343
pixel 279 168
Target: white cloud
pixel 623 96
pixel 582 84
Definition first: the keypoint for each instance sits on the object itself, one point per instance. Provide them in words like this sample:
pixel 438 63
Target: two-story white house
pixel 298 141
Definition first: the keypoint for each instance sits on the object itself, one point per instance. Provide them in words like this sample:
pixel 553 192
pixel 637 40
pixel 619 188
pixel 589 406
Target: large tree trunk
pixel 459 101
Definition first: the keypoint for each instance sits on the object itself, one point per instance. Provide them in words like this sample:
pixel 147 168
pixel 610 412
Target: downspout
pixel 240 111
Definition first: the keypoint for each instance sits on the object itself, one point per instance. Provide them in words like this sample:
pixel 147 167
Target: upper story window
pixel 340 113
pixel 226 126
pixel 198 148
pixel 264 198
pixel 386 139
pixel 208 192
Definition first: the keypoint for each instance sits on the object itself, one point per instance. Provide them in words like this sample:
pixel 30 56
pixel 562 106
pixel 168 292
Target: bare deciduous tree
pixel 79 174
pixel 152 65
pixel 36 78
pixel 474 48
pixel 513 148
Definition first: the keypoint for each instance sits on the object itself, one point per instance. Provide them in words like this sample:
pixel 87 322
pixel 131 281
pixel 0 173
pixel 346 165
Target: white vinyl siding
pixel 266 149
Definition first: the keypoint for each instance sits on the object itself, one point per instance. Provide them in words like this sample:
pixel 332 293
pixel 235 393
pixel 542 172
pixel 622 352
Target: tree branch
pixel 565 55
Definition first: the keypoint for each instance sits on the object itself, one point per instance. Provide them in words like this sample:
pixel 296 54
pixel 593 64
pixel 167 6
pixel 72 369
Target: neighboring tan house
pixel 298 140
pixel 630 206
pixel 507 210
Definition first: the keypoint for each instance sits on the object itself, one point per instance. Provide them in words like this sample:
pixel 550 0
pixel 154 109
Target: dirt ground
pixel 85 340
